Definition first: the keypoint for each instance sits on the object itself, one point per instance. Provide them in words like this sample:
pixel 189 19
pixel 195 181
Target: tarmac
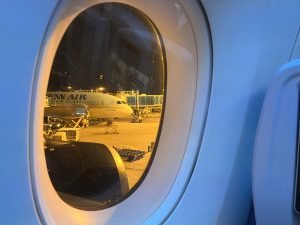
pixel 125 134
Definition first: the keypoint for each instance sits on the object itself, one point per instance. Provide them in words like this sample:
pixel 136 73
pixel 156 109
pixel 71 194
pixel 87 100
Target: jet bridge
pixel 149 103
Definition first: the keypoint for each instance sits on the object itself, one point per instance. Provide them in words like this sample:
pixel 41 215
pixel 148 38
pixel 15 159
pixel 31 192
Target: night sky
pixel 112 46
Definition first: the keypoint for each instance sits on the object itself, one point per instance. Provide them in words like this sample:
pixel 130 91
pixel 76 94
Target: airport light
pixel 101 89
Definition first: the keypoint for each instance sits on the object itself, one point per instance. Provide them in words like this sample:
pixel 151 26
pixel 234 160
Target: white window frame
pixel 186 38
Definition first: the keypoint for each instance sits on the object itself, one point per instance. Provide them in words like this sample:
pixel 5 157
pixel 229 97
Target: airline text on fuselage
pixel 75 98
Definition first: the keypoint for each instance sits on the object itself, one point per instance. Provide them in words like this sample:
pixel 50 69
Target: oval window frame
pixel 158 203
pixel 157 35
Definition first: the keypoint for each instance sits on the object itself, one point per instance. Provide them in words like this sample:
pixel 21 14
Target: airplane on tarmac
pixel 96 105
pixel 228 149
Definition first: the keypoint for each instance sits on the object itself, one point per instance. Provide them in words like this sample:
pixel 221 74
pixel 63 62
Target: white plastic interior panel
pixel 296 49
pixel 274 160
pixel 221 59
pixel 251 40
pixel 185 35
pixel 23 25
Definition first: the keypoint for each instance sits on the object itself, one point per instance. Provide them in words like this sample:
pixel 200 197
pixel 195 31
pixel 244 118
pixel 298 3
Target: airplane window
pixel 104 104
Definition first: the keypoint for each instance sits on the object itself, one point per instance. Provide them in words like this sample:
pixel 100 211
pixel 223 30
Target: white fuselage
pixel 100 105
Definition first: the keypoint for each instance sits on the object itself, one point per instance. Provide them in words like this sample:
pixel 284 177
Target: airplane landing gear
pixel 137 116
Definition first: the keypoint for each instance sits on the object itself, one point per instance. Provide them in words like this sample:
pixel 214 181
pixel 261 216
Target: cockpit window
pixel 97 153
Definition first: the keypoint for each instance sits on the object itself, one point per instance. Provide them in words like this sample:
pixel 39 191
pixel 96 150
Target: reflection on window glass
pixel 104 104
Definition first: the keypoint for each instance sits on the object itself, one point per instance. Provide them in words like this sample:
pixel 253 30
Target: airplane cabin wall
pixel 23 25
pixel 251 40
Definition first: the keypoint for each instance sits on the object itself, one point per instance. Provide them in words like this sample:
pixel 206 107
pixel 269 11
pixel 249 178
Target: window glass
pixel 104 105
